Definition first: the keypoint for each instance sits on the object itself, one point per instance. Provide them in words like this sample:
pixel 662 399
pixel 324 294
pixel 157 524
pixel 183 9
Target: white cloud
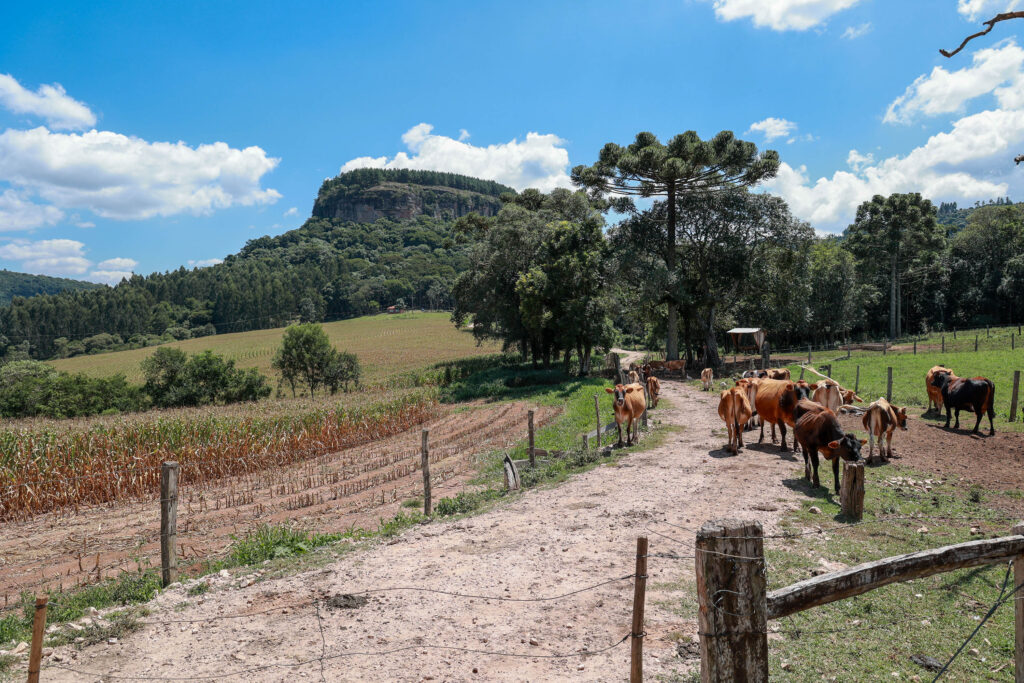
pixel 855 32
pixel 49 102
pixel 203 263
pixel 985 9
pixel 539 161
pixel 122 177
pixel 18 213
pixel 109 277
pixel 463 134
pixel 294 211
pixel 118 264
pixel 781 15
pixel 51 257
pixel 971 161
pixel 856 160
pixel 772 128
pixel 85 224
pixel 943 92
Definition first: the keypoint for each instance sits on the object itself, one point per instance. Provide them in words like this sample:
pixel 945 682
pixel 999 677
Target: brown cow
pixel 779 373
pixel 818 430
pixel 749 387
pixel 882 418
pixel 653 389
pixel 776 399
pixel 828 394
pixel 934 392
pixel 629 404
pixel 653 365
pixel 674 365
pixel 634 377
pixel 734 409
pixel 706 375
pixel 849 397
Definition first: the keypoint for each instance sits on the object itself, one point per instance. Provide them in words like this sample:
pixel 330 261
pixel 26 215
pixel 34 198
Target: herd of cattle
pixel 810 409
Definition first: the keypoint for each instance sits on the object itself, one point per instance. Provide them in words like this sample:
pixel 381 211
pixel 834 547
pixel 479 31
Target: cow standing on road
pixel 818 430
pixel 706 376
pixel 629 405
pixel 735 411
pixel 775 402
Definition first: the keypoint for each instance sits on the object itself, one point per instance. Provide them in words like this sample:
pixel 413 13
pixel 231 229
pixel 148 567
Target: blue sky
pixel 145 136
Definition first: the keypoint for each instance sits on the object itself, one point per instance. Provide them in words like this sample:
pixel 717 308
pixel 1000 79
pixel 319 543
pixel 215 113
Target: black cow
pixel 819 430
pixel 976 393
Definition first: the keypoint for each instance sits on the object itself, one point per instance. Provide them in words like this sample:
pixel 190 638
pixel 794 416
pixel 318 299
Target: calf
pixel 734 409
pixel 849 397
pixel 977 394
pixel 818 430
pixel 934 393
pixel 653 390
pixel 779 373
pixel 882 418
pixel 776 399
pixel 706 375
pixel 828 394
pixel 629 405
pixel 754 374
pixel 673 365
pixel 634 377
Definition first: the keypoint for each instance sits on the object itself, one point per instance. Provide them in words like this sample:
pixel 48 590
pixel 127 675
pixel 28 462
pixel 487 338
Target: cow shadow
pixel 804 487
pixel 980 436
pixel 773 449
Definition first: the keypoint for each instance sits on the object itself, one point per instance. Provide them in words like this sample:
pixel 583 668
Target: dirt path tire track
pixel 548 541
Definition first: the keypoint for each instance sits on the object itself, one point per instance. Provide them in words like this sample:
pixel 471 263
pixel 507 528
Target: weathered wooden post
pixel 35 655
pixel 851 493
pixel 732 604
pixel 848 347
pixel 954 333
pixel 529 423
pixel 1013 400
pixel 808 354
pixel 801 372
pixel 856 382
pixel 986 331
pixel 888 385
pixel 586 442
pixel 885 347
pixel 975 343
pixel 1018 613
pixel 1013 341
pixel 828 370
pixel 597 412
pixel 915 347
pixel 943 343
pixel 168 522
pixel 636 650
pixel 425 466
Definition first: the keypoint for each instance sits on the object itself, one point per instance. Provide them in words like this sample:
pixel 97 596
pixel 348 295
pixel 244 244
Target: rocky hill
pixel 366 195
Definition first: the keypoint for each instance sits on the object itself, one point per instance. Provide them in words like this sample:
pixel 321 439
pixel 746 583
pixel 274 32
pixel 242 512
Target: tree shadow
pixel 772 449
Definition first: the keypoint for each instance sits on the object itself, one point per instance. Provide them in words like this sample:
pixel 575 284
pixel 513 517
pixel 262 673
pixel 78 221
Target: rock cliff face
pixel 401 201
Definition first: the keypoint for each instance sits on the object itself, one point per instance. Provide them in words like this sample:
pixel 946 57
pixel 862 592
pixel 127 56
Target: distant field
pixel 385 344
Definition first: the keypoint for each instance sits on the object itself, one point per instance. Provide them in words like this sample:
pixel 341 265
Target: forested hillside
pixel 328 269
pixel 22 284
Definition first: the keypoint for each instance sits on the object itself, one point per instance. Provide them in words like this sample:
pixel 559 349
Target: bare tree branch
pixel 990 23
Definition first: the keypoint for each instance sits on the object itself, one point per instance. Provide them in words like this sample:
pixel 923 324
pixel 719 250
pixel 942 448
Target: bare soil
pixel 351 488
pixel 545 542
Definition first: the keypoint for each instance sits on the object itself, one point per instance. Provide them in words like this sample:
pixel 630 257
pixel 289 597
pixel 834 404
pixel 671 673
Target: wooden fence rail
pixel 734 607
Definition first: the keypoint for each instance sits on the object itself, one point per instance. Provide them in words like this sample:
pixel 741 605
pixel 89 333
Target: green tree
pixel 901 228
pixel 686 165
pixel 164 374
pixel 305 355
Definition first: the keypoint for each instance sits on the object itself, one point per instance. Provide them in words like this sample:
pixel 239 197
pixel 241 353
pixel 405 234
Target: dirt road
pixel 547 542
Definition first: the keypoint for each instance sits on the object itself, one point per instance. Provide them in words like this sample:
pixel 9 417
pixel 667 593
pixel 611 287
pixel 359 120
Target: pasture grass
pixel 388 346
pixel 879 631
pixel 908 377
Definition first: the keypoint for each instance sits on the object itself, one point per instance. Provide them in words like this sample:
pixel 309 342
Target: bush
pixel 175 379
pixel 31 388
pixel 267 542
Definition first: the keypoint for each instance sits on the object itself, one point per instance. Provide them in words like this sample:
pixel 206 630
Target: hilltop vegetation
pixel 25 285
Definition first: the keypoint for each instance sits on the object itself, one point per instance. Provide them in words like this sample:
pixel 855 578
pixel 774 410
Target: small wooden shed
pixel 738 333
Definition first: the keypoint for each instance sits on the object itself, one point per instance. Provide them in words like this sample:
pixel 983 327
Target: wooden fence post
pixel 529 419
pixel 586 442
pixel 732 603
pixel 1018 614
pixel 38 632
pixel 828 370
pixel 851 494
pixel 975 342
pixel 168 522
pixel 425 466
pixel 808 354
pixel 597 411
pixel 856 382
pixel 1013 400
pixel 888 385
pixel 885 347
pixel 915 347
pixel 1013 341
pixel 801 372
pixel 636 650
pixel 943 343
pixel 954 333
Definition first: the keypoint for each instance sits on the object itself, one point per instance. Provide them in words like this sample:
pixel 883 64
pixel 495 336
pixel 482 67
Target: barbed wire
pixel 326 658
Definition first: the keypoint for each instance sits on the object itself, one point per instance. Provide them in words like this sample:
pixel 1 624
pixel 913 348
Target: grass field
pixel 386 345
pixel 908 376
